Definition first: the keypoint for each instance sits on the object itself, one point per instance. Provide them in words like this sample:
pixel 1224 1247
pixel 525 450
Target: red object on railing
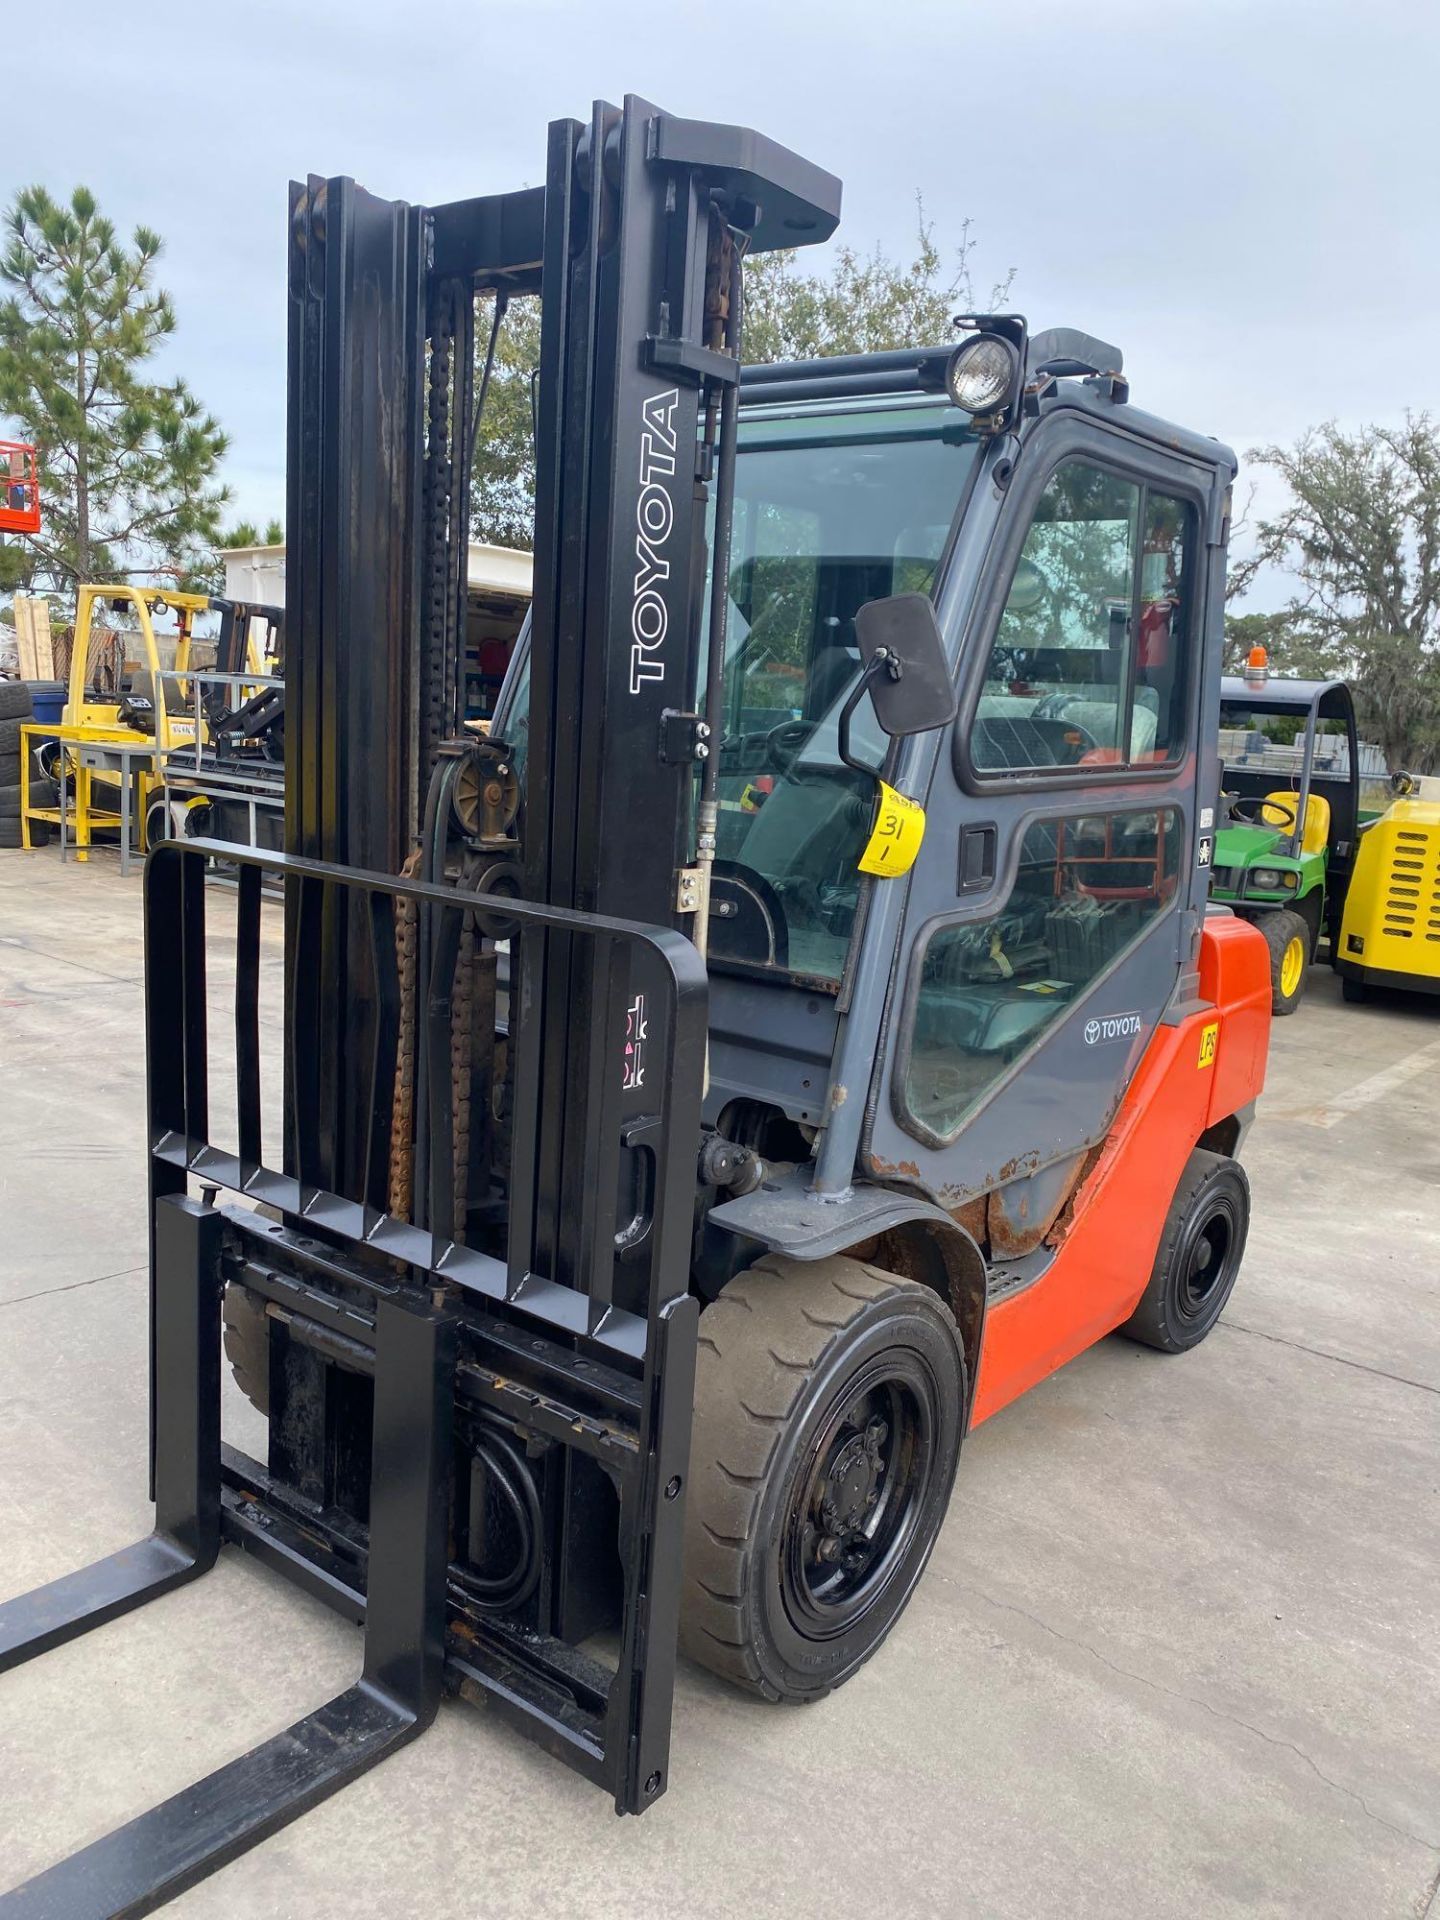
pixel 19 488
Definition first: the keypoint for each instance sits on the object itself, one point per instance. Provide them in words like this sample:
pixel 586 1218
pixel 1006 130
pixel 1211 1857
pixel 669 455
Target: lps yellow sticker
pixel 895 838
pixel 1209 1040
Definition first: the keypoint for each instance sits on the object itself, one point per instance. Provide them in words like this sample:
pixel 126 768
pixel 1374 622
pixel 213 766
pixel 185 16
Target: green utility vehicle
pixel 1290 794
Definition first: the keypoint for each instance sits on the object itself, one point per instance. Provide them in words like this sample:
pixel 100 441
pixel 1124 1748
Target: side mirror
pixel 905 666
pixel 905 670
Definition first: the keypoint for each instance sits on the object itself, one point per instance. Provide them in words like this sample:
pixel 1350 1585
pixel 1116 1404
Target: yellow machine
pixel 155 705
pixel 112 711
pixel 96 715
pixel 1390 936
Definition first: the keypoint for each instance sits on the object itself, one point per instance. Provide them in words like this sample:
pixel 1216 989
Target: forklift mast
pixel 236 646
pixel 478 1378
pixel 630 246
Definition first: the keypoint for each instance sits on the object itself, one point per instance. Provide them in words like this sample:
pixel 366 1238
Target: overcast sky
pixel 1242 194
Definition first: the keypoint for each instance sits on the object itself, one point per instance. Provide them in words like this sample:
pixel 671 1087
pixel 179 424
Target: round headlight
pixel 981 374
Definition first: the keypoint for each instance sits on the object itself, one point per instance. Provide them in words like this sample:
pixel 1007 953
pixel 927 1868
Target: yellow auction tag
pixel 1209 1040
pixel 896 835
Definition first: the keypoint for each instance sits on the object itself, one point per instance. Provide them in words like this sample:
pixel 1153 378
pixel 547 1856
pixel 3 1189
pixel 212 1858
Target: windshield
pixel 1253 740
pixel 830 511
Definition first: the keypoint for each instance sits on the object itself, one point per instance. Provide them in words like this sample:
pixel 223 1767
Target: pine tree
pixel 127 464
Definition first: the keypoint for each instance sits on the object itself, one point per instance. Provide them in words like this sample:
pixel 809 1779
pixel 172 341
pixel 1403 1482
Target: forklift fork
pixel 160 1853
pixel 414 1348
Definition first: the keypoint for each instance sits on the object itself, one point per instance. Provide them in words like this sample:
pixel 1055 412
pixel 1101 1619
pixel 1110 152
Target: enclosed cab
pixel 980 1087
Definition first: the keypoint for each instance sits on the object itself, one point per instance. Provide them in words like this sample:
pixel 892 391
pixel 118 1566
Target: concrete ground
pixel 1178 1652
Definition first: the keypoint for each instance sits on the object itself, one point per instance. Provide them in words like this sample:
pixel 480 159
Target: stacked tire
pixel 16 711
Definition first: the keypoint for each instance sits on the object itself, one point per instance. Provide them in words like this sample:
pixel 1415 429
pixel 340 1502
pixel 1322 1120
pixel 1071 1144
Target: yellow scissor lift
pixel 96 718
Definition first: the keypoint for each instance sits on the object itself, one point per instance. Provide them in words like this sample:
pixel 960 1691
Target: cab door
pixel 1053 913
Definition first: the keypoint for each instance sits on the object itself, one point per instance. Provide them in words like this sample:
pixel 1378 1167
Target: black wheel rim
pixel 1207 1263
pixel 859 1496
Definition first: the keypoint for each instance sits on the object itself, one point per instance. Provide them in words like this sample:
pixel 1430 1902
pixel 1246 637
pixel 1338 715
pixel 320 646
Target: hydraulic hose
pixel 502 301
pixel 515 1484
pixel 708 816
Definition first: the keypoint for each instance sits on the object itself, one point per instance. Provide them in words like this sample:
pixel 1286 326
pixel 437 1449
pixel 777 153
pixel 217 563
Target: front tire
pixel 1198 1259
pixel 1287 935
pixel 829 1409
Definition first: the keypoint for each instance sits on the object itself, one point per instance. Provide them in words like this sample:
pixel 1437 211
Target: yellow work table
pixel 122 756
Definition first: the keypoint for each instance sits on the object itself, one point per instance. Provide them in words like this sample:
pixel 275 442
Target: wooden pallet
pixel 32 639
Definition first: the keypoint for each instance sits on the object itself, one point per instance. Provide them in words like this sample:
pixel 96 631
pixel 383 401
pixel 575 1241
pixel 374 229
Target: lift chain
pixel 472 1053
pixel 462 1065
pixel 402 1108
pixel 719 253
pixel 445 471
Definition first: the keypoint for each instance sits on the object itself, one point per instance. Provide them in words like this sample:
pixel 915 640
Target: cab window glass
pixel 1166 584
pixel 1089 661
pixel 831 511
pixel 1086 888
pixel 829 514
pixel 774 595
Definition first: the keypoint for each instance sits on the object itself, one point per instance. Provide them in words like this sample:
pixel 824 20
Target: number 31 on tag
pixel 896 835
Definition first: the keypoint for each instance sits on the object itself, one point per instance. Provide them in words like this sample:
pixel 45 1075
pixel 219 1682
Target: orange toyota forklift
pixel 794 1031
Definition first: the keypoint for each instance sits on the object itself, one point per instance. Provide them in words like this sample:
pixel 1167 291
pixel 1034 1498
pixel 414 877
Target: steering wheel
pixel 785 743
pixel 1247 806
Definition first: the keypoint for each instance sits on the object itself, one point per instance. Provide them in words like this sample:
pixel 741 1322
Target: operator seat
pixel 1315 829
pixel 831 673
pixel 1100 718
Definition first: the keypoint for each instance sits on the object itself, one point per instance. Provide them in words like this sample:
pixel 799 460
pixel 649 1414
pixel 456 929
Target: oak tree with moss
pixel 854 303
pixel 1359 531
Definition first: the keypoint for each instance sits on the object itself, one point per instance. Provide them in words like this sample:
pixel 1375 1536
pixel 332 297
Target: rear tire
pixel 1198 1259
pixel 829 1409
pixel 157 824
pixel 1287 935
